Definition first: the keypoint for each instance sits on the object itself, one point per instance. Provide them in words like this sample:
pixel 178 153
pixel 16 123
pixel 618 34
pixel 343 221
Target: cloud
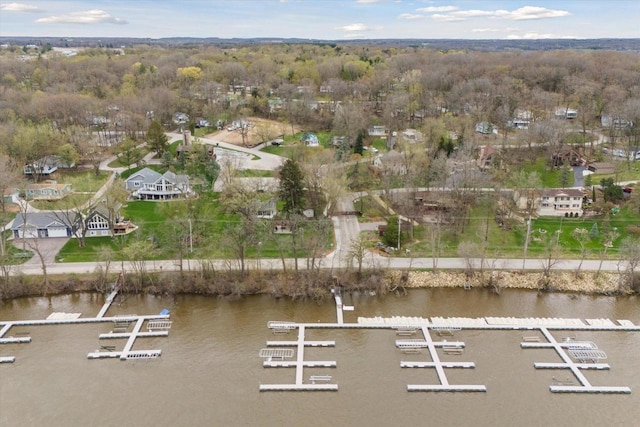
pixel 435 9
pixel 521 14
pixel 354 27
pixel 19 7
pixel 536 36
pixel 534 12
pixel 368 1
pixel 446 18
pixel 410 16
pixel 486 30
pixel 95 16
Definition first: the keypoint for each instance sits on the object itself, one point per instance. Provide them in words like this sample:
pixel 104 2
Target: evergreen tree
pixel 359 145
pixel 156 138
pixel 292 187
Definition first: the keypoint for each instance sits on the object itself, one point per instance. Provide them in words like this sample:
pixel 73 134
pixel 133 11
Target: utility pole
pixel 526 242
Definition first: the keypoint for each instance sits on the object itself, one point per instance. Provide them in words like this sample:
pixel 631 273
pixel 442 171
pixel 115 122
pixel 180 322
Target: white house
pixel 560 202
pixel 566 113
pixel 148 184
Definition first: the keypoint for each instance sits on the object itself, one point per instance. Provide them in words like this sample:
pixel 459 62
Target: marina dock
pixel 576 356
pixel 158 326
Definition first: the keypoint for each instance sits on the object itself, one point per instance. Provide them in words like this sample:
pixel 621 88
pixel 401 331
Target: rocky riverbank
pixel 586 283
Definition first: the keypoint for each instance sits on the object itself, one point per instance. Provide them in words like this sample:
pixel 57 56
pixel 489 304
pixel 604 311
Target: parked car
pixel 277 142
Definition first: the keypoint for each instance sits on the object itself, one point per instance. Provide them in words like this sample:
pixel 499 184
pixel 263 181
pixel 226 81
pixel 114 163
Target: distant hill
pixel 437 44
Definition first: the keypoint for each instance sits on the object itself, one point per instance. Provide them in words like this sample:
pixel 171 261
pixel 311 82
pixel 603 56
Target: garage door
pixel 58 232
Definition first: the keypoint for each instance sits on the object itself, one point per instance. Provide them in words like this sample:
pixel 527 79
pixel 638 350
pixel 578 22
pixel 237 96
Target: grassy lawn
pixel 209 232
pixel 72 201
pixel 84 181
pixel 549 178
pixel 252 173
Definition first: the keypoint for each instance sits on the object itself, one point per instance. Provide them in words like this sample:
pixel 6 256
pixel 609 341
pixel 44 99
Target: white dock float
pixel 560 365
pixel 63 316
pixel 433 365
pixel 7 359
pixel 590 389
pixel 339 314
pixel 15 340
pixel 437 364
pixel 120 335
pixel 581 350
pixel 298 387
pixel 107 303
pixel 138 354
pixel 306 343
pixel 473 388
pixel 132 338
pixel 296 364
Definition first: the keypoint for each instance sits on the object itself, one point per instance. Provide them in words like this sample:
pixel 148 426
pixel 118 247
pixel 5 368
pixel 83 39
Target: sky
pixel 322 19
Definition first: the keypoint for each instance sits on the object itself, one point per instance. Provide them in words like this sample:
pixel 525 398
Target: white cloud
pixel 435 9
pixel 446 18
pixel 19 7
pixel 486 30
pixel 368 1
pixel 536 36
pixel 521 14
pixel 95 16
pixel 533 12
pixel 354 27
pixel 410 16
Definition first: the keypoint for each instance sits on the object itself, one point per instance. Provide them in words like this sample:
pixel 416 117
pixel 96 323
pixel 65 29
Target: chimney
pixel 186 137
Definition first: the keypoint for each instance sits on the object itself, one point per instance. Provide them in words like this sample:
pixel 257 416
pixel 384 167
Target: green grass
pixel 209 231
pixel 252 173
pixel 83 181
pixel 71 201
pixel 549 178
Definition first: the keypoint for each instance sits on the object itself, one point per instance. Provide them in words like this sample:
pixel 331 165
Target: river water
pixel 209 372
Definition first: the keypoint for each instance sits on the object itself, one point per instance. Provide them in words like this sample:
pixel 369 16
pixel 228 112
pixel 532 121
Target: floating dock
pixel 157 325
pixel 315 382
pixel 576 355
pixel 583 351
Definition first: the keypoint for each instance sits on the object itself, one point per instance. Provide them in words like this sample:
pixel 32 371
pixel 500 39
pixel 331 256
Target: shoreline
pixel 318 284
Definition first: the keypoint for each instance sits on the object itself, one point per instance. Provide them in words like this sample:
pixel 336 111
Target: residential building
pixel 46 166
pixel 148 184
pixel 48 190
pixel 102 221
pixel 33 225
pixel 560 202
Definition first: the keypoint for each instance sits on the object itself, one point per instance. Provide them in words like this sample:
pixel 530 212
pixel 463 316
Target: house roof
pixel 45 185
pixel 554 192
pixel 44 219
pixel 149 176
pixel 145 175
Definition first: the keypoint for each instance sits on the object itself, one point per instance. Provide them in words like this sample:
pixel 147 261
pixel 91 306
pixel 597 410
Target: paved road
pixel 512 264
